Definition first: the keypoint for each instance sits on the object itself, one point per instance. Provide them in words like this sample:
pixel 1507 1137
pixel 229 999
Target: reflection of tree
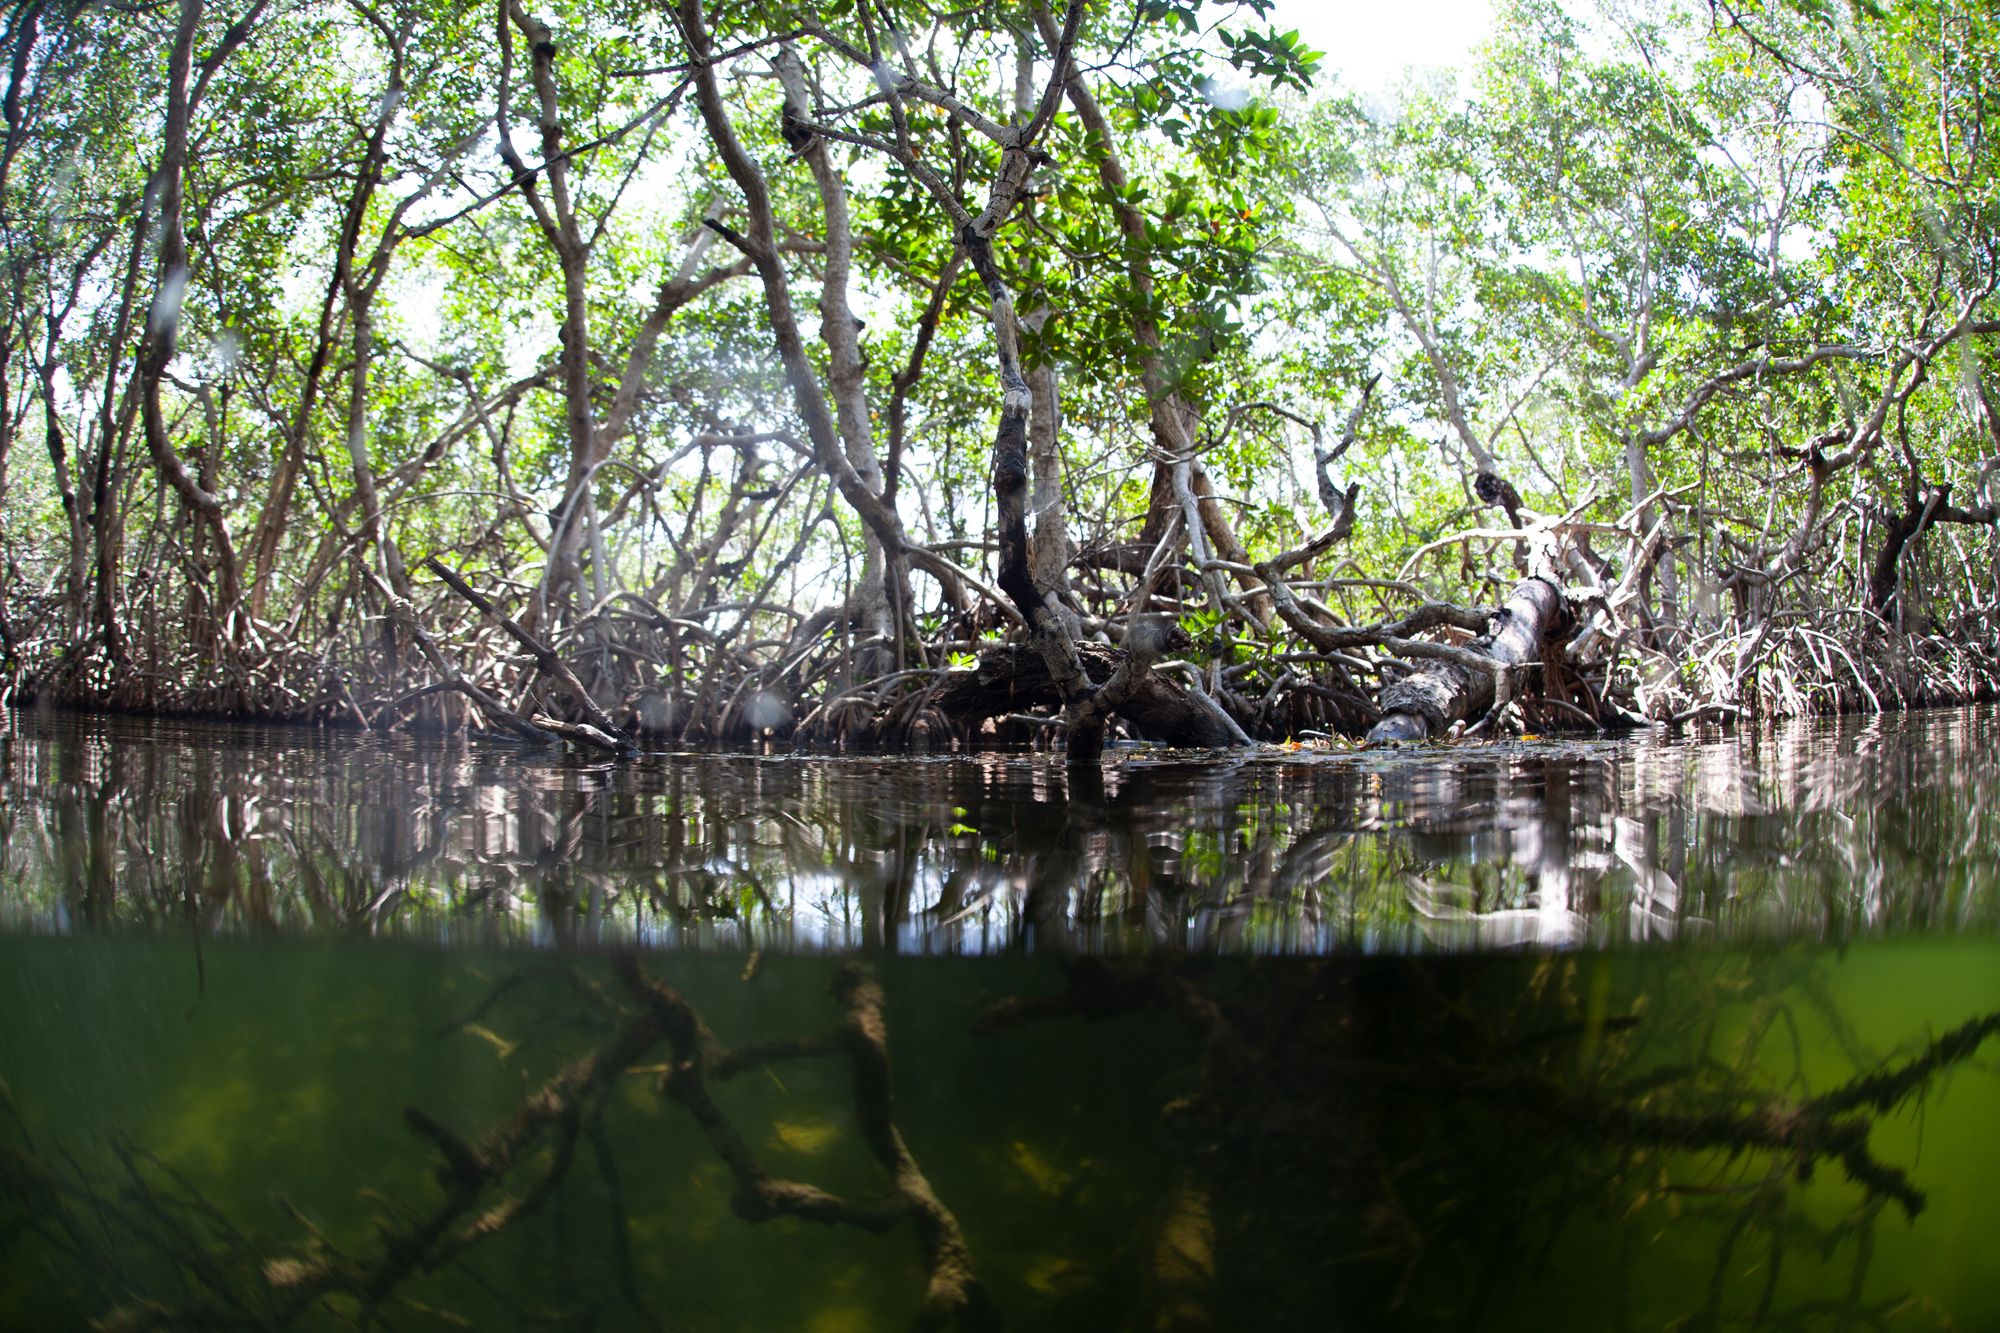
pixel 1865 828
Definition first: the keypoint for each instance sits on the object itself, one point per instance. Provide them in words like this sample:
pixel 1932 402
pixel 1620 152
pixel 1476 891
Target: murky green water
pixel 1246 1045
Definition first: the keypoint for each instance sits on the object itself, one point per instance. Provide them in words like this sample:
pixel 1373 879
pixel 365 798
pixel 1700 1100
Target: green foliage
pixel 1626 204
pixel 1552 268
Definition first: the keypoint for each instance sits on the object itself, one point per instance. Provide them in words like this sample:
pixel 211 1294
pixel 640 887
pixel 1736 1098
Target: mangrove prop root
pixel 954 1291
pixel 1886 1087
pixel 601 733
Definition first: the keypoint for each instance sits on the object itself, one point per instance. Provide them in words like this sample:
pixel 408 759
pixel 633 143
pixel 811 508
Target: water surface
pixel 1825 831
pixel 324 1031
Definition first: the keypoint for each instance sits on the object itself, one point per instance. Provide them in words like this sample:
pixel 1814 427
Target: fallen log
pixel 1427 702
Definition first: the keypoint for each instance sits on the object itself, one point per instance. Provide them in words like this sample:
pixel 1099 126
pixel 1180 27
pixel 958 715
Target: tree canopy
pixel 773 365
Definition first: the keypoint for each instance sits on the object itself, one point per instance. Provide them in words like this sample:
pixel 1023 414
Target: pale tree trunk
pixel 1429 701
pixel 758 244
pixel 114 429
pixel 1639 474
pixel 556 216
pixel 576 526
pixel 156 347
pixel 267 538
pixel 73 505
pixel 366 492
pixel 1051 547
pixel 876 603
pixel 1051 544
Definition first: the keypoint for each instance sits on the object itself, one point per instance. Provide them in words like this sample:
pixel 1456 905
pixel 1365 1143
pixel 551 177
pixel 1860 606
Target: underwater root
pixel 1359 1117
pixel 242 1282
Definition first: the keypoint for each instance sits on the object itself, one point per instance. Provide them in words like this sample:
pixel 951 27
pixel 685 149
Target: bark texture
pixel 1426 703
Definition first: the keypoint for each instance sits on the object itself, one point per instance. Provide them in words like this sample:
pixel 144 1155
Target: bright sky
pixel 1371 42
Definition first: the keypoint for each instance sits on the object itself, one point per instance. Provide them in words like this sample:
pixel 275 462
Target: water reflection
pixel 1822 830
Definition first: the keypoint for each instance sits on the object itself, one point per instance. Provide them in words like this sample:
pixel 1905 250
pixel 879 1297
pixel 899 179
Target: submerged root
pixel 1348 1123
pixel 252 1283
pixel 1393 1103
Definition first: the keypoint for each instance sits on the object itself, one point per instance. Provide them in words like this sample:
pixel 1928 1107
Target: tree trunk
pixel 156 348
pixel 1051 543
pixel 1427 702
